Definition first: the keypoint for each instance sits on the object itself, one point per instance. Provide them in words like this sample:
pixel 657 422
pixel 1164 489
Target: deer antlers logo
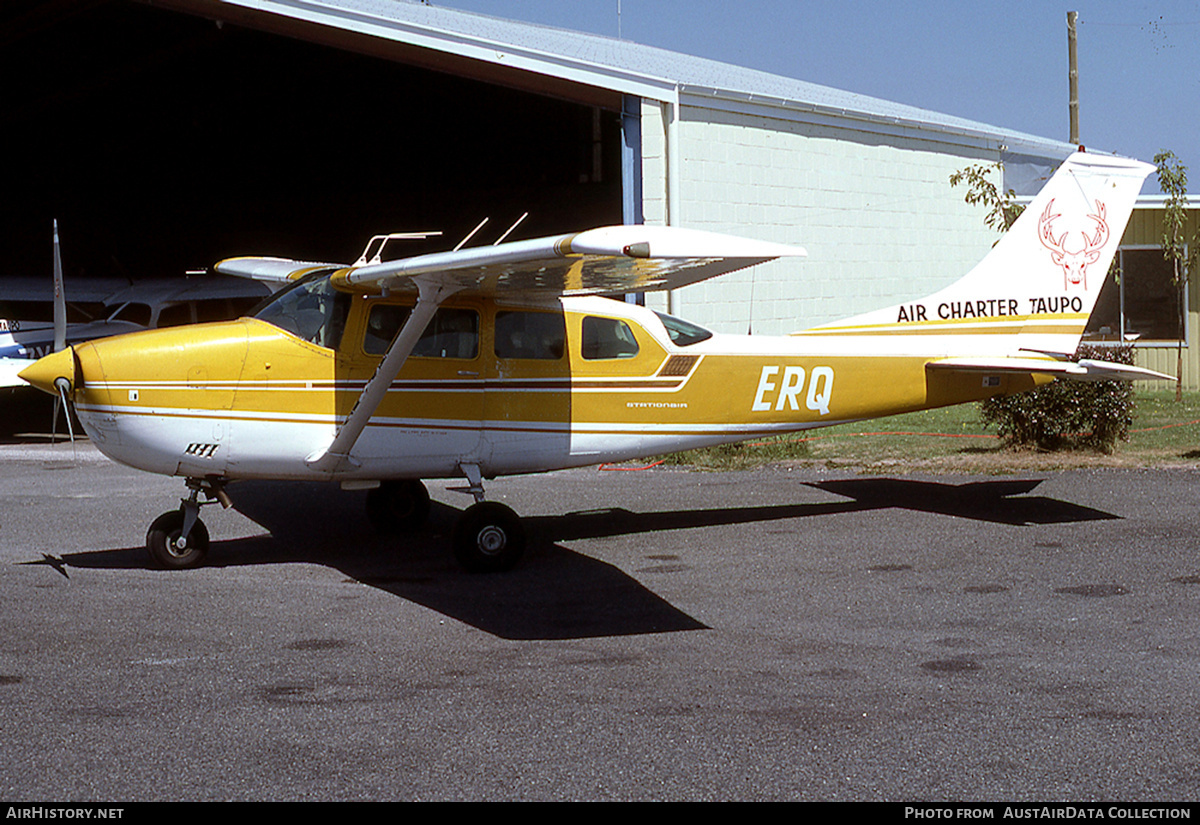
pixel 1074 262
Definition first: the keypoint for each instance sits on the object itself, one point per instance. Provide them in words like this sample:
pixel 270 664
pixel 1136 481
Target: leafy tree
pixel 1003 209
pixel 1172 179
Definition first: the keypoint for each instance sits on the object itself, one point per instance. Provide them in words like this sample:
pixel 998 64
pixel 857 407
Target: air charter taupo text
pixel 991 308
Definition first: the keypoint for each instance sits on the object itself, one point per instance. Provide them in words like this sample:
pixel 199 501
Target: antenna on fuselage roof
pixel 367 258
pixel 500 240
pixel 470 235
pixel 481 224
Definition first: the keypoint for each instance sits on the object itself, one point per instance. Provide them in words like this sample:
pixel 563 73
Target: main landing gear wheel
pixel 396 507
pixel 488 538
pixel 166 547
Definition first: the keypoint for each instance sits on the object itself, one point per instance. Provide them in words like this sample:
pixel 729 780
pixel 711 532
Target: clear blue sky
pixel 1000 63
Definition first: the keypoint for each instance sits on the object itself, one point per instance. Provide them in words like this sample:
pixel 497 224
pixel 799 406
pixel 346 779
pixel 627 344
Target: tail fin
pixel 1037 286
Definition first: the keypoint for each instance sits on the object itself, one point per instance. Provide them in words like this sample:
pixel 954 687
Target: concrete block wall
pixel 877 215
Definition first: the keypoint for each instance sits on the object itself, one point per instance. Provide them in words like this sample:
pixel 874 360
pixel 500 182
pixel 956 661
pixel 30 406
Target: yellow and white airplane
pixel 491 361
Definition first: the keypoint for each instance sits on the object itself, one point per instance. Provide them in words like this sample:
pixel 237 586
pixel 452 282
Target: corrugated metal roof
pixel 625 67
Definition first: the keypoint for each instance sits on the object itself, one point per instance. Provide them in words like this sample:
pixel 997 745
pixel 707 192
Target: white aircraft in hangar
pixel 117 307
pixel 490 361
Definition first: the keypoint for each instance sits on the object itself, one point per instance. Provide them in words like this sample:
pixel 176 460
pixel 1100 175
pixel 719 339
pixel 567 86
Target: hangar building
pixel 166 135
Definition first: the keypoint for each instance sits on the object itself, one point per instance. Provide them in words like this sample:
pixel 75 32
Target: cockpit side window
pixel 607 338
pixel 453 333
pixel 311 309
pixel 683 333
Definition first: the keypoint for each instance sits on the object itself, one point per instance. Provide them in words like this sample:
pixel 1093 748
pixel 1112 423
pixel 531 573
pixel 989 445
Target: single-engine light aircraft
pixel 506 359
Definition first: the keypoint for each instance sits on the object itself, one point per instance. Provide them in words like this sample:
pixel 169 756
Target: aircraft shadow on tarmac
pixel 555 593
pixel 1001 502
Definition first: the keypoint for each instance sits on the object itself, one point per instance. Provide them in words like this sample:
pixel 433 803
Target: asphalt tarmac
pixel 671 635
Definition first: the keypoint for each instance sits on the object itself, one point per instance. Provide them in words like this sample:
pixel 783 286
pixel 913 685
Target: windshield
pixel 683 333
pixel 310 309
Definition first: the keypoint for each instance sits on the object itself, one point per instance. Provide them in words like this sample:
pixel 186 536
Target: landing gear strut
pixel 178 539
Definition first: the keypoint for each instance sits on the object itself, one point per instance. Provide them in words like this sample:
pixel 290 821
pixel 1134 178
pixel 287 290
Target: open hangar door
pixel 164 141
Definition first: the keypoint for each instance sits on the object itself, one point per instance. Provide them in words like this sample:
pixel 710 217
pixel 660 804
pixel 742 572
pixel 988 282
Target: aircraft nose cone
pixel 43 372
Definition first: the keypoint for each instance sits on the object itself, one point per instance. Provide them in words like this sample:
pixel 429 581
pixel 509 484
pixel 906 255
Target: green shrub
pixel 1067 415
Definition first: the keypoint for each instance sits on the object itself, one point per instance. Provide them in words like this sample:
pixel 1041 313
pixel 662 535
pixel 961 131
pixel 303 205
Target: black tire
pixel 488 538
pixel 397 507
pixel 162 537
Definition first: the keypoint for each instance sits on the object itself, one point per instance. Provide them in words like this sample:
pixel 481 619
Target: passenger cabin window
pixel 607 338
pixel 540 335
pixel 311 309
pixel 453 333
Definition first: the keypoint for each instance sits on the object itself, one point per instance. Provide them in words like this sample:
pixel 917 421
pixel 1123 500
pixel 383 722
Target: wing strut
pixel 431 292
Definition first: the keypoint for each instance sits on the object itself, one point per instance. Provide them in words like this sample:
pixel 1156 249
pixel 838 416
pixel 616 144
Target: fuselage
pixel 511 388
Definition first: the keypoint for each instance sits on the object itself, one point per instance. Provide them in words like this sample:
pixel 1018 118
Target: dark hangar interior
pixel 164 139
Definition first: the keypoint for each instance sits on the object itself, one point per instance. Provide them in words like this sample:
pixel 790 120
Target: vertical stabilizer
pixel 1036 288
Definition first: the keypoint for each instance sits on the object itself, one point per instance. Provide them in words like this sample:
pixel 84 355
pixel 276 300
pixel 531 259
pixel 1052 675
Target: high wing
pixel 608 260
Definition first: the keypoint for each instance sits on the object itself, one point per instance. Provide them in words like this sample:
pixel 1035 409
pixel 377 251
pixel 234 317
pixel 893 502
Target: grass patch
pixel 1164 431
pixel 1163 425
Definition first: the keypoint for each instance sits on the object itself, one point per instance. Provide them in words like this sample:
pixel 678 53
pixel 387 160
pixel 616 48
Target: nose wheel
pixel 178 539
pixel 171 548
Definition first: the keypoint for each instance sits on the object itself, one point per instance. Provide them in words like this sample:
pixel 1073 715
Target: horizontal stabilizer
pixel 1107 370
pixel 1086 369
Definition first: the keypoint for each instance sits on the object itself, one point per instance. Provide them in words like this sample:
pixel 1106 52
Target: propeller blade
pixel 60 299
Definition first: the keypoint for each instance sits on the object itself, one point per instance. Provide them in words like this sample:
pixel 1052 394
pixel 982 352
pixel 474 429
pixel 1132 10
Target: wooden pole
pixel 1073 75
